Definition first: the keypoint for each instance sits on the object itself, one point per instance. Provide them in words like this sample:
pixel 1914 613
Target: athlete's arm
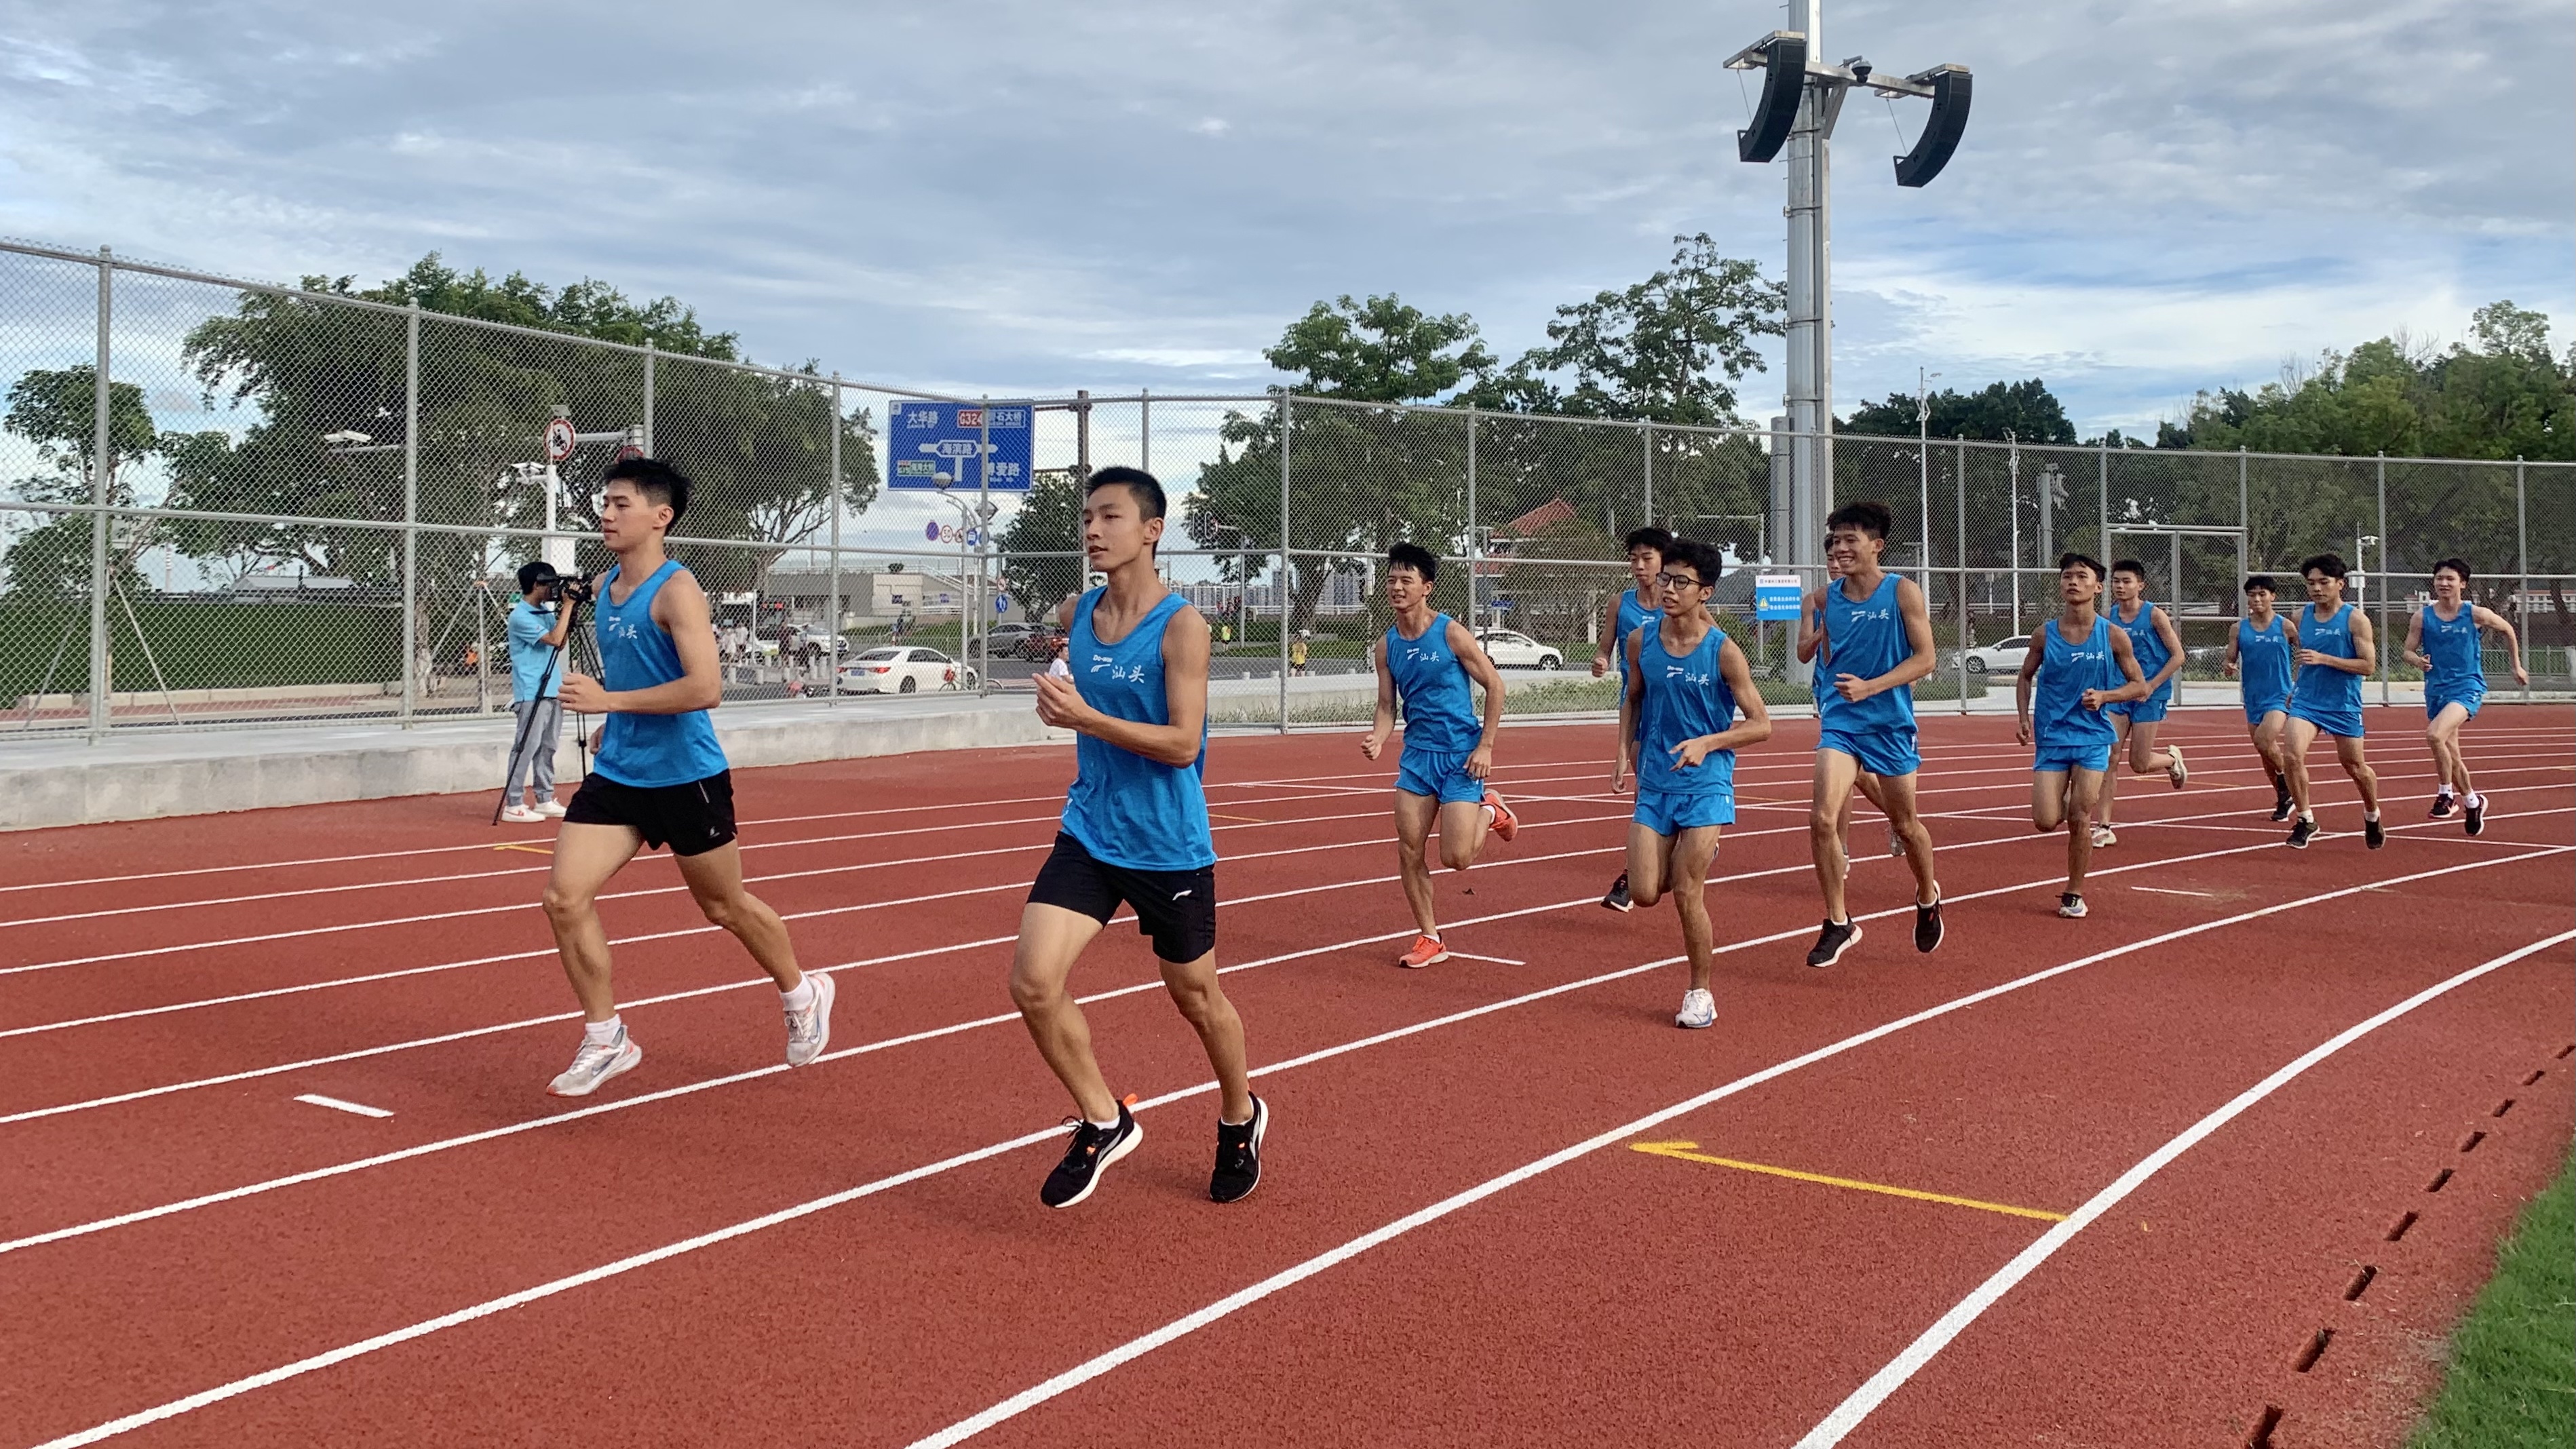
pixel 1753 729
pixel 1632 706
pixel 2415 654
pixel 1383 723
pixel 679 610
pixel 1471 657
pixel 2365 648
pixel 2232 637
pixel 2171 638
pixel 2489 619
pixel 2023 680
pixel 1185 686
pixel 1609 638
pixel 1811 626
pixel 2127 659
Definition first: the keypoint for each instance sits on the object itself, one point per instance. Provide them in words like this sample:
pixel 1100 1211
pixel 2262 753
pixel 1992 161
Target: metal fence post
pixel 648 412
pixel 1145 433
pixel 2522 579
pixel 1647 432
pixel 1967 641
pixel 2381 663
pixel 2244 527
pixel 2103 483
pixel 102 669
pixel 1474 554
pixel 1287 421
pixel 411 515
pixel 832 589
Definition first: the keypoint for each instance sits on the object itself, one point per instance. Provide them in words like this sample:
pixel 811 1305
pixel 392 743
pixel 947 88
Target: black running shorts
pixel 1177 908
pixel 692 819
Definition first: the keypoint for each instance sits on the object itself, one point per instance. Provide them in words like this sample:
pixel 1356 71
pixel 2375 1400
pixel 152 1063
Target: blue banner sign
pixel 927 439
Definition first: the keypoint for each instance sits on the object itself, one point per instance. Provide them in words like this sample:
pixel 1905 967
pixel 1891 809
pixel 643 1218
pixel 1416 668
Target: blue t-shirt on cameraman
pixel 529 655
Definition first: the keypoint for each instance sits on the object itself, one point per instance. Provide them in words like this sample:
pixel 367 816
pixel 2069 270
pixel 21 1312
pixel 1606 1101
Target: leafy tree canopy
pixel 1997 412
pixel 1378 351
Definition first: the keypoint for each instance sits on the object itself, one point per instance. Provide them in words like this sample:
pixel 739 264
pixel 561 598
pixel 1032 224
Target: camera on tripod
pixel 572 588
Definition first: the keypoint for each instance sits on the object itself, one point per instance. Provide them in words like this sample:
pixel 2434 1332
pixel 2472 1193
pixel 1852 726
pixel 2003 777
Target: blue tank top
pixel 2330 690
pixel 1686 697
pixel 1125 809
pixel 1866 639
pixel 2058 718
pixel 1631 615
pixel 1439 710
pixel 2458 672
pixel 648 751
pixel 2263 660
pixel 2147 646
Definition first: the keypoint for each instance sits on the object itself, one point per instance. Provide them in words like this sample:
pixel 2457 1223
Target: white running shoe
pixel 810 1030
pixel 1699 1009
pixel 1895 842
pixel 2177 771
pixel 595 1064
pixel 2070 905
pixel 551 809
pixel 521 815
pixel 2103 838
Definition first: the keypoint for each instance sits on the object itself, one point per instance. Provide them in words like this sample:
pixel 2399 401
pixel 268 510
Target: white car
pixel 1512 650
pixel 903 669
pixel 2001 658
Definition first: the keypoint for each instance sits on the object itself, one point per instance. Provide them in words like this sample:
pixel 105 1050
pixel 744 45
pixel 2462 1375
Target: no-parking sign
pixel 560 438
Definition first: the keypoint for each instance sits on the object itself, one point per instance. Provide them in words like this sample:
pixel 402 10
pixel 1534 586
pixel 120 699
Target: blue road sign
pixel 930 530
pixel 1775 596
pixel 1001 603
pixel 924 439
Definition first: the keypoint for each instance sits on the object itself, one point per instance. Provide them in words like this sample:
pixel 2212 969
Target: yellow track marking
pixel 1246 819
pixel 531 849
pixel 1683 1150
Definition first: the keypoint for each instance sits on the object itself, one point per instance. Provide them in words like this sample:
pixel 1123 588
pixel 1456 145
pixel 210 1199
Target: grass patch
pixel 2512 1376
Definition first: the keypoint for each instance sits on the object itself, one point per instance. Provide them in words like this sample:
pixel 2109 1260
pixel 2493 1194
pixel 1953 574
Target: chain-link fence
pixel 231 504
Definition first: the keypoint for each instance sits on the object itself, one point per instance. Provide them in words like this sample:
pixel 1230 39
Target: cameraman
pixel 536 629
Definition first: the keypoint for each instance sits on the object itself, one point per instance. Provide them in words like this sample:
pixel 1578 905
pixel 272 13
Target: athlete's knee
pixel 1824 825
pixel 1033 993
pixel 1201 1003
pixel 564 906
pixel 1458 856
pixel 725 911
pixel 1643 895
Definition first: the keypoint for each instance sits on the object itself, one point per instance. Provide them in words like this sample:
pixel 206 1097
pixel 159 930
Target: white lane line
pixel 2170 891
pixel 1497 960
pixel 1851 1411
pixel 336 1105
pixel 1178 1328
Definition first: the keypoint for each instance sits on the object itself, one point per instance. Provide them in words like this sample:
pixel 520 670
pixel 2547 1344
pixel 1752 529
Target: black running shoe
pixel 1833 942
pixel 2476 810
pixel 1090 1154
pixel 1618 900
pixel 2372 835
pixel 2303 832
pixel 1238 1155
pixel 2443 805
pixel 1927 926
pixel 2283 805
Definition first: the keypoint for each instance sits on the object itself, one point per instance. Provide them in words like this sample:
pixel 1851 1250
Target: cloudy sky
pixel 1025 197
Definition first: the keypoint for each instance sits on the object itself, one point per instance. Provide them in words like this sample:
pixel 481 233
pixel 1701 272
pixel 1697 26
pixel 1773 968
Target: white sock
pixel 2478 800
pixel 800 999
pixel 2445 792
pixel 600 1033
pixel 2309 816
pixel 2370 815
pixel 1109 1126
pixel 1489 814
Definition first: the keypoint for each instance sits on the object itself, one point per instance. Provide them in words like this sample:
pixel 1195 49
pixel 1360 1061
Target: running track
pixel 2239 1077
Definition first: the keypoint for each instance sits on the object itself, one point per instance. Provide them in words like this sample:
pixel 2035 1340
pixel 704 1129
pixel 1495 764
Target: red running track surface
pixel 1456 1240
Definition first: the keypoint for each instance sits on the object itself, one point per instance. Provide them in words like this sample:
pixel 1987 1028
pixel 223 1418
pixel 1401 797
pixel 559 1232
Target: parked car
pixel 902 669
pixel 1006 640
pixel 1510 649
pixel 1042 643
pixel 2004 657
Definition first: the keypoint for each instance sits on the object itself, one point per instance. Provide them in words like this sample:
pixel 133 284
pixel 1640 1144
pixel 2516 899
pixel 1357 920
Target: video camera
pixel 573 588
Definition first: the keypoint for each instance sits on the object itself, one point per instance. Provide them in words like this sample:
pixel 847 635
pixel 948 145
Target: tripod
pixel 545 682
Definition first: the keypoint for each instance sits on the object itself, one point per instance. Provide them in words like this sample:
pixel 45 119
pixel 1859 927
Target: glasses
pixel 1679 581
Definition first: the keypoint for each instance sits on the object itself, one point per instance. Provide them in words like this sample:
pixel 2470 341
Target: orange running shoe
pixel 1427 951
pixel 1506 824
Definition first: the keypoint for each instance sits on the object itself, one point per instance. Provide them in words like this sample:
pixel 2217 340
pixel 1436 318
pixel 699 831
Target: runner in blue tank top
pixel 2336 652
pixel 1686 682
pixel 1132 686
pixel 2157 646
pixel 659 778
pixel 1633 608
pixel 1815 651
pixel 1878 637
pixel 2258 653
pixel 2078 664
pixel 2443 641
pixel 1426 660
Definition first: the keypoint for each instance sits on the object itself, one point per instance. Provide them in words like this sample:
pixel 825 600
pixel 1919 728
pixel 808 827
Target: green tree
pixel 1996 412
pixel 1048 521
pixel 57 410
pixel 1379 351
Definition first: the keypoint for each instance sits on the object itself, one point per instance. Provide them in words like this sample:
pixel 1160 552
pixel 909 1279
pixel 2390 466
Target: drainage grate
pixel 2472 1141
pixel 2360 1283
pixel 2503 1107
pixel 2261 1438
pixel 2536 1074
pixel 2440 1180
pixel 2397 1230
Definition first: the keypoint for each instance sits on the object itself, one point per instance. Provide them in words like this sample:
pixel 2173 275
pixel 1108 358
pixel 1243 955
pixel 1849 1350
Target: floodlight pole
pixel 1796 77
